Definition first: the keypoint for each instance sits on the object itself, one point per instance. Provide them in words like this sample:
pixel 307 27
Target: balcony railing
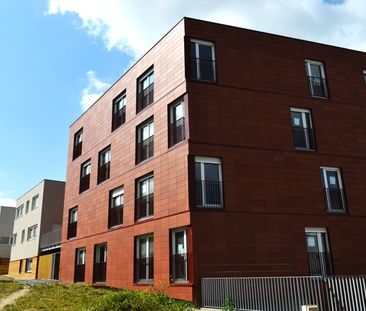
pixel 304 137
pixel 144 269
pixel 176 132
pixel 145 97
pixel 119 118
pixel 320 263
pixel 145 206
pixel 203 69
pixel 335 199
pixel 72 229
pixel 178 267
pixel 145 149
pixel 318 86
pixel 84 183
pixel 209 194
pixel 115 216
pixel 79 273
pixel 49 239
pixel 99 272
pixel 103 172
pixel 77 150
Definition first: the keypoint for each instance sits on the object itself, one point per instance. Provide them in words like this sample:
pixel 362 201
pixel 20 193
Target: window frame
pixel 137 256
pixel 172 120
pixel 197 43
pixel 308 63
pixel 114 193
pixel 83 257
pixel 122 97
pixel 78 141
pixel 83 176
pixel 150 72
pixel 104 164
pixel 22 239
pixel 310 126
pixel 35 202
pixel 173 232
pixel 32 233
pixel 149 178
pixel 364 76
pixel 28 265
pixel 150 124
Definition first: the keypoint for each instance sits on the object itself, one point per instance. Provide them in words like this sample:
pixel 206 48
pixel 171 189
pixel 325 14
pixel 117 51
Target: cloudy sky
pixel 58 56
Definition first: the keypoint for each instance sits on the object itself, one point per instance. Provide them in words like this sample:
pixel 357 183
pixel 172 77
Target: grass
pixel 6 288
pixel 78 298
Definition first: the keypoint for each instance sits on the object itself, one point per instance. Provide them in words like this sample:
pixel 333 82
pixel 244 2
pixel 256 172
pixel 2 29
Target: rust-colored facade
pixel 268 170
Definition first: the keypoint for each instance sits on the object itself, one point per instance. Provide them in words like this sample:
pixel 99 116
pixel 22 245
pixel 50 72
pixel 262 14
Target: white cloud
pixel 5 201
pixel 134 26
pixel 93 90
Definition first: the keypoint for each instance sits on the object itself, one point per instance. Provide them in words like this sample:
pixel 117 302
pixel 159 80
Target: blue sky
pixel 58 56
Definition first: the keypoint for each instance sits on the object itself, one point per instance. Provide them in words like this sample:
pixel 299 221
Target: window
pixel 145 90
pixel 176 123
pixel 179 254
pixel 320 262
pixel 23 236
pixel 85 176
pixel 78 144
pixel 145 141
pixel 119 111
pixel 32 232
pixel 35 202
pixel 27 207
pixel 19 211
pixel 203 65
pixel 100 263
pixel 144 259
pixel 115 207
pixel 73 223
pixel 364 76
pixel 333 190
pixel 316 76
pixel 208 182
pixel 104 164
pixel 20 266
pixel 79 273
pixel 302 128
pixel 145 197
pixel 5 240
pixel 28 264
pixel 13 239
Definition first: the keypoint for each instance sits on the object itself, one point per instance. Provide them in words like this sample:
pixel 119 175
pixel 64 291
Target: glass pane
pixel 179 242
pixel 315 71
pixel 151 247
pixel 198 171
pixel 332 179
pixel 307 120
pixel 178 112
pixel 205 52
pixel 142 248
pixel 193 50
pixel 151 185
pixel 296 119
pixel 312 242
pixel 211 172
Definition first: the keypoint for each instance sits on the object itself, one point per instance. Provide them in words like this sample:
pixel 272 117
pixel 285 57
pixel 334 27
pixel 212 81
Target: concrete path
pixel 12 297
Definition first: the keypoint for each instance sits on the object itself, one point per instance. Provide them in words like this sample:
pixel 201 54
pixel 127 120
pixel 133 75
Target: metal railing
pixel 203 69
pixel 118 118
pixel 178 267
pixel 145 149
pixel 115 216
pixel 72 229
pixel 79 273
pixel 145 97
pixel 77 150
pixel 304 137
pixel 335 199
pixel 99 272
pixel 209 194
pixel 176 132
pixel 103 172
pixel 144 269
pixel 144 206
pixel 320 263
pixel 84 183
pixel 338 293
pixel 318 86
pixel 51 238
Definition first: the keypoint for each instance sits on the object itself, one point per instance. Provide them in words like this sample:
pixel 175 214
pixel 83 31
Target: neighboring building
pixel 35 251
pixel 221 152
pixel 7 214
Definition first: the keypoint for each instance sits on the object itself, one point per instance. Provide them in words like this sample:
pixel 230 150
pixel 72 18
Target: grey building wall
pixel 7 215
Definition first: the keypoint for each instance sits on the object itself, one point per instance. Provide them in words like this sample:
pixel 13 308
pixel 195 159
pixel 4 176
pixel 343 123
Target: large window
pixel 320 262
pixel 13 239
pixel 203 65
pixel 145 197
pixel 85 176
pixel 19 211
pixel 179 255
pixel 79 273
pixel 73 223
pixel 23 236
pixel 302 128
pixel 27 207
pixel 144 259
pixel 176 123
pixel 145 90
pixel 5 240
pixel 364 76
pixel 35 202
pixel 316 76
pixel 28 264
pixel 104 164
pixel 100 263
pixel 119 111
pixel 145 141
pixel 116 197
pixel 32 232
pixel 333 190
pixel 78 144
pixel 209 188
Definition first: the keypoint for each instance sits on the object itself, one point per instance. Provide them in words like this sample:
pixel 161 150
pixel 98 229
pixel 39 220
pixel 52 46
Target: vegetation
pixel 77 297
pixel 6 288
pixel 228 304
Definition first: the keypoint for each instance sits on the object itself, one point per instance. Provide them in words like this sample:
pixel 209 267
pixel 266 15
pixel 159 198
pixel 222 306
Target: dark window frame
pixel 115 213
pixel 144 264
pixel 303 136
pixel 176 127
pixel 77 145
pixel 104 170
pixel 145 96
pixel 196 62
pixel 145 147
pixel 84 180
pixel 318 86
pixel 144 203
pixel 119 114
pixel 72 223
pixel 100 267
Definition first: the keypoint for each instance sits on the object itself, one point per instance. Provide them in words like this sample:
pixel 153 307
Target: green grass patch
pixel 78 298
pixel 7 288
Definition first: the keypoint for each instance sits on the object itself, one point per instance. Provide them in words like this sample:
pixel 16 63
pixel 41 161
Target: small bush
pixel 228 304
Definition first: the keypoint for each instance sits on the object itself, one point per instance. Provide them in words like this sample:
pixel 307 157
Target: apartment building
pixel 221 152
pixel 7 214
pixel 36 240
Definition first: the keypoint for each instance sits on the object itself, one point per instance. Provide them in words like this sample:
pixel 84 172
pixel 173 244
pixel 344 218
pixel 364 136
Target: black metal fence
pixel 144 206
pixel 115 216
pixel 335 199
pixel 203 69
pixel 79 273
pixel 176 132
pixel 118 118
pixel 320 263
pixel 77 150
pixel 103 172
pixel 304 137
pixel 145 97
pixel 178 267
pixel 144 269
pixel 72 229
pixel 84 183
pixel 209 194
pixel 145 149
pixel 99 272
pixel 318 86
